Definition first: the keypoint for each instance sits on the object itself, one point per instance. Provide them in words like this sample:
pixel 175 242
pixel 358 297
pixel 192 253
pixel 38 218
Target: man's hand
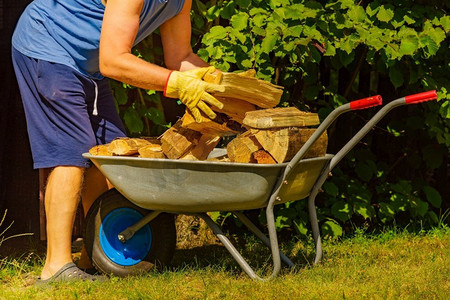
pixel 193 92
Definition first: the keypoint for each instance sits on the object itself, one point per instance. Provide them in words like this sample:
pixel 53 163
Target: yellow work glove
pixel 193 92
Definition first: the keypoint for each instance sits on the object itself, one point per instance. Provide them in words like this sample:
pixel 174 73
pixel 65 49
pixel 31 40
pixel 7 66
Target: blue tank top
pixel 68 31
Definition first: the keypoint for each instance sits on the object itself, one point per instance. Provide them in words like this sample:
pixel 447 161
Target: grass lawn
pixel 390 265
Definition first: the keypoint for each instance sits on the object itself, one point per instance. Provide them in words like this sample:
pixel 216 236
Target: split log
pixel 241 148
pixel 284 143
pixel 222 158
pixel 263 157
pixel 177 141
pixel 151 151
pixel 126 146
pixel 244 87
pixel 100 150
pixel 234 108
pixel 280 117
pixel 201 151
pixel 220 126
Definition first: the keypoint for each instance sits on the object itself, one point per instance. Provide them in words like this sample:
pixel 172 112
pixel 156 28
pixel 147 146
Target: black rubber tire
pixel 163 237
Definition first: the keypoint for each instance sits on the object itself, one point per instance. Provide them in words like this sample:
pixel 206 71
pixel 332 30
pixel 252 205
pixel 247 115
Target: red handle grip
pixel 421 97
pixel 366 102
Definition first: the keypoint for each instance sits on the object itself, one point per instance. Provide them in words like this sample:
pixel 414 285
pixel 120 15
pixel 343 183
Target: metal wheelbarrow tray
pixel 198 187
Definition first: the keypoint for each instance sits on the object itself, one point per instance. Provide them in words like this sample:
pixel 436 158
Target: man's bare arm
pixel 176 39
pixel 119 30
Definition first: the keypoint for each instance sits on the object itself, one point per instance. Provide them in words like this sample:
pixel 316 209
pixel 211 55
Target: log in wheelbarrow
pixel 130 229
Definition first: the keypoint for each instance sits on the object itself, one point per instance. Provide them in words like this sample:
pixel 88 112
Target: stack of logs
pixel 265 134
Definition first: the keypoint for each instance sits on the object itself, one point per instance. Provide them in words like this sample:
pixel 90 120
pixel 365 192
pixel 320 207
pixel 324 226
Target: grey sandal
pixel 69 272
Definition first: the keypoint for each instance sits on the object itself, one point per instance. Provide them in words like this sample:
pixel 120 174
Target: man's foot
pixel 69 272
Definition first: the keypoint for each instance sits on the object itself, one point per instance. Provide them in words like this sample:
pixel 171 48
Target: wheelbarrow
pixel 130 229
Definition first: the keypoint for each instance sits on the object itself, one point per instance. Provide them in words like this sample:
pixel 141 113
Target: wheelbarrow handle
pixel 421 97
pixel 366 102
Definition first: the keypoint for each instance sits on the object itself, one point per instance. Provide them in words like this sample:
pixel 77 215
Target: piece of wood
pixel 126 146
pixel 234 108
pixel 241 148
pixel 220 126
pixel 263 157
pixel 177 141
pixel 100 150
pixel 222 158
pixel 280 117
pixel 151 151
pixel 201 151
pixel 284 143
pixel 244 87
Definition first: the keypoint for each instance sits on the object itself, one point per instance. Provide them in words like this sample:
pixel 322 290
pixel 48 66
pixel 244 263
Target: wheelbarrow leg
pixel 229 246
pixel 273 241
pixel 246 221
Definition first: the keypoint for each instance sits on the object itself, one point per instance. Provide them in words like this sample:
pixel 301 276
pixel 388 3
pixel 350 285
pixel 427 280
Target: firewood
pixel 100 150
pixel 280 117
pixel 263 157
pixel 284 143
pixel 220 126
pixel 151 151
pixel 234 108
pixel 241 148
pixel 244 87
pixel 201 151
pixel 126 146
pixel 177 141
pixel 222 158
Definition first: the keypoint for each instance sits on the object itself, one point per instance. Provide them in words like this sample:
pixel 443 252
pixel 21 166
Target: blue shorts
pixel 59 105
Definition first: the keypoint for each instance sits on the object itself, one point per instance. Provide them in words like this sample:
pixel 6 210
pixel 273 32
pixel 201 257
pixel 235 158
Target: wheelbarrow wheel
pixel 151 247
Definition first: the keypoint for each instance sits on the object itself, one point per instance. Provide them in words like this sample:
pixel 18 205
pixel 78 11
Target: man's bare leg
pixel 95 184
pixel 61 201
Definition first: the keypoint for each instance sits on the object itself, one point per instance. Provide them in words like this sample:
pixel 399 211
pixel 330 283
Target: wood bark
pixel 263 157
pixel 284 143
pixel 280 117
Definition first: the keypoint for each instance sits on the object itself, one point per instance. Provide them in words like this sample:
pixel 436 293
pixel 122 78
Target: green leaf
pixel 433 196
pixel 363 209
pixel 445 109
pixel 301 227
pixel 239 21
pixel 331 189
pixel 133 121
pixel 331 228
pixel 243 3
pixel 387 210
pixel 396 76
pixel 409 20
pixel 341 210
pixel 228 10
pixel 409 45
pixel 213 12
pixel 420 207
pixel 430 44
pixel 357 13
pixel 269 42
pixel 385 14
pixel 445 22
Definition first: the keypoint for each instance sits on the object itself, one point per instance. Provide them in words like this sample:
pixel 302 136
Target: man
pixel 62 49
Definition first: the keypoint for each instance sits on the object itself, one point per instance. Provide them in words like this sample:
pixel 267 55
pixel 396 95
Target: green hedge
pixel 326 54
